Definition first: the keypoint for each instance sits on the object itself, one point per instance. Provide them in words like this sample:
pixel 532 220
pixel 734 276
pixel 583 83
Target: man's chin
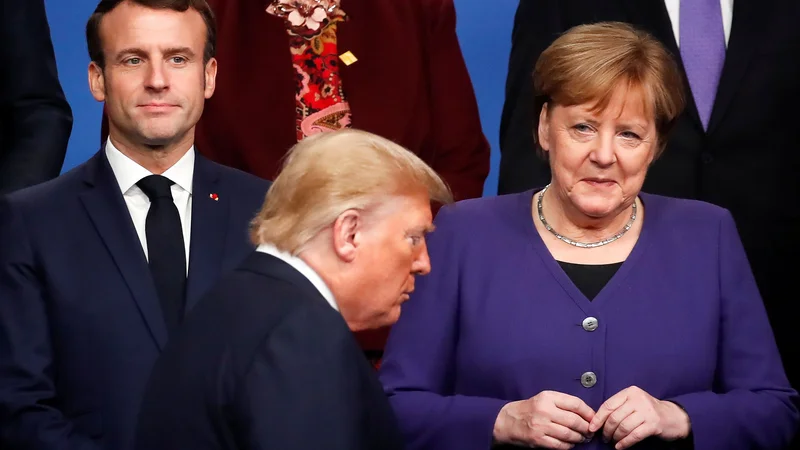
pixel 375 322
pixel 391 317
pixel 160 139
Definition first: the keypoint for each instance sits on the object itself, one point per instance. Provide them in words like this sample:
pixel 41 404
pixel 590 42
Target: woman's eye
pixel 630 135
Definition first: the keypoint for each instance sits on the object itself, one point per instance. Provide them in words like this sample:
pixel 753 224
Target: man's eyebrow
pixel 175 50
pixel 168 51
pixel 130 51
pixel 427 228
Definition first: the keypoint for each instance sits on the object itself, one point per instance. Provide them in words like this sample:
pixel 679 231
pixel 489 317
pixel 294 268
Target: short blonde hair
pixel 589 62
pixel 329 173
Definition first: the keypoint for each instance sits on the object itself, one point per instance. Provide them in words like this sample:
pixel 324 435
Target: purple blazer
pixel 497 320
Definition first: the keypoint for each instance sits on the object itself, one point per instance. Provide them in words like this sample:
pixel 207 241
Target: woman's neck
pixel 570 222
pixel 576 230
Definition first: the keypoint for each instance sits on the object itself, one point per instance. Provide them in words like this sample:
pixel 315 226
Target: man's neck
pixel 155 160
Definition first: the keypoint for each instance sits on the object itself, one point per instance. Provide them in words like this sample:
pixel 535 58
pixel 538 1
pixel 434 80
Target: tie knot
pixel 156 186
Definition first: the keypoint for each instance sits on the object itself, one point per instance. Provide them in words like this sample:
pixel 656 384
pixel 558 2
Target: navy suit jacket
pixel 80 322
pixel 264 362
pixel 35 118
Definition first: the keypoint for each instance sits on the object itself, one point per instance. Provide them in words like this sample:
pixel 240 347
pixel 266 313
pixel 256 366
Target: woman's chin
pixel 597 208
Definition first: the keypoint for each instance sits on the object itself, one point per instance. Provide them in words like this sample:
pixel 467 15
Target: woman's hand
pixel 547 420
pixel 633 415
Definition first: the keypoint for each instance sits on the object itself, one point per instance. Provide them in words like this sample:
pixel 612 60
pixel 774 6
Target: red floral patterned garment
pixel 320 100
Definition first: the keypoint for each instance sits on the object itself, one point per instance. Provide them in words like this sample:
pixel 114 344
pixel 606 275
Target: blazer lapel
pixel 107 210
pixel 210 216
pixel 652 16
pixel 749 17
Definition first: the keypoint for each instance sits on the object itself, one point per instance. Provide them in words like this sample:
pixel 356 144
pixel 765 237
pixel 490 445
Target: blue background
pixel 484 29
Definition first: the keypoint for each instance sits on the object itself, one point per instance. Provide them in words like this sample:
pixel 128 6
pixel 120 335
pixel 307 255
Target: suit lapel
pixel 652 16
pixel 107 210
pixel 210 216
pixel 749 17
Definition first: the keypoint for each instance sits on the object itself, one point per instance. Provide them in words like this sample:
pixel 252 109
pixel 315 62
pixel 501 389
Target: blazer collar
pixel 273 267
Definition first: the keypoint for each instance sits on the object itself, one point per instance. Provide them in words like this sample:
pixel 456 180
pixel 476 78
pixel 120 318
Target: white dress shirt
pixel 128 173
pixel 674 10
pixel 304 269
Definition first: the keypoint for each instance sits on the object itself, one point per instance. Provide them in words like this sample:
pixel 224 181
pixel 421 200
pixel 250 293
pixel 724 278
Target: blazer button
pixel 590 324
pixel 588 379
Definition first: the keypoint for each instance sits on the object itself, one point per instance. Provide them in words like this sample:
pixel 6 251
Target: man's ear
pixel 97 82
pixel 544 128
pixel 210 78
pixel 346 234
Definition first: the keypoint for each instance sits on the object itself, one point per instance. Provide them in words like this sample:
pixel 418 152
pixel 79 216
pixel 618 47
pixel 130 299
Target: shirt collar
pixel 302 267
pixel 128 172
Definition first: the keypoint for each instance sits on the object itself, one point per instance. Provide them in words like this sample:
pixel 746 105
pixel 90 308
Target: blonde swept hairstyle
pixel 329 173
pixel 588 63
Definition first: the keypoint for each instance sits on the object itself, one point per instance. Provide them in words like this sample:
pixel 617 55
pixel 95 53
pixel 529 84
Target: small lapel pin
pixel 214 197
pixel 348 58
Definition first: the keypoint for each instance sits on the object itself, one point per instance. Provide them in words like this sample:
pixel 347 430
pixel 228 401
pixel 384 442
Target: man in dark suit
pixel 99 266
pixel 735 145
pixel 35 119
pixel 394 68
pixel 267 358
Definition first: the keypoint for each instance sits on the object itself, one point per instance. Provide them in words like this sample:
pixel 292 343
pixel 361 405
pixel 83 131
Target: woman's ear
pixel 544 128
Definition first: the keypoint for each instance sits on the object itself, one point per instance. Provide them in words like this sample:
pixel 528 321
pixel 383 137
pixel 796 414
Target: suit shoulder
pixel 683 213
pixel 49 192
pixel 265 302
pixel 484 210
pixel 241 178
pixel 261 312
pixel 320 324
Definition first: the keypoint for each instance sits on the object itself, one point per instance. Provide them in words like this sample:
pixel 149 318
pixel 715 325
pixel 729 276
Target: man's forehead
pixel 402 212
pixel 150 25
pixel 419 221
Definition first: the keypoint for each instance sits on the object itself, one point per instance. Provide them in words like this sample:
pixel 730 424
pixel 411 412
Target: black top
pixel 589 278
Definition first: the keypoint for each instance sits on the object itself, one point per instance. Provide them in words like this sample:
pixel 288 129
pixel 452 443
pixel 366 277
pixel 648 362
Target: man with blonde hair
pixel 265 360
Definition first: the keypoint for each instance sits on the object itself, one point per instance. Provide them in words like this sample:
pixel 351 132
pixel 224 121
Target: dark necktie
pixel 702 46
pixel 165 248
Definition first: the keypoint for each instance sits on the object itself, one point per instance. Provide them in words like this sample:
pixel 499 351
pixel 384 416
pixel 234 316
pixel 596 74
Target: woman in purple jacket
pixel 588 314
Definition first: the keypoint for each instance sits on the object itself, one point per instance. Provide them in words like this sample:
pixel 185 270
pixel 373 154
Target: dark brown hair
pixel 95 43
pixel 588 62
